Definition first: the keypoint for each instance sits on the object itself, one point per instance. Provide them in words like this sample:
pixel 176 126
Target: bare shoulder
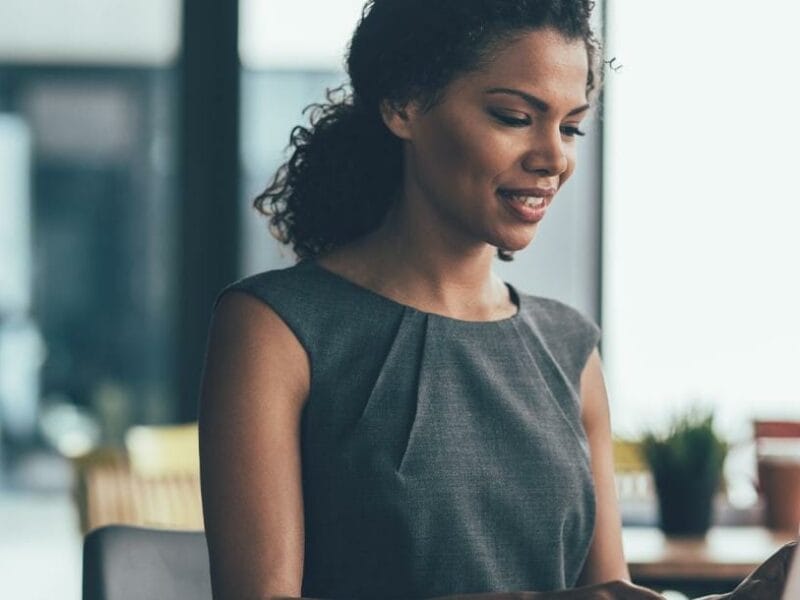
pixel 247 336
pixel 244 314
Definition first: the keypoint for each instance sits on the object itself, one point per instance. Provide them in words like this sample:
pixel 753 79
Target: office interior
pixel 134 136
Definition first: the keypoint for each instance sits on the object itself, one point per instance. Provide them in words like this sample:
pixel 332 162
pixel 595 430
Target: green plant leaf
pixel 690 448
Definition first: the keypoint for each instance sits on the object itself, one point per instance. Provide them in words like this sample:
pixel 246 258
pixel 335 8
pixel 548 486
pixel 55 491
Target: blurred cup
pixel 778 457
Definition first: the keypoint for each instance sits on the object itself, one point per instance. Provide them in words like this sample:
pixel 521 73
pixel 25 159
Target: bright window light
pixel 307 34
pixel 702 249
pixel 139 32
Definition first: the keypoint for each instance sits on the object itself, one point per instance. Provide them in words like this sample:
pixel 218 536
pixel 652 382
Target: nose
pixel 546 155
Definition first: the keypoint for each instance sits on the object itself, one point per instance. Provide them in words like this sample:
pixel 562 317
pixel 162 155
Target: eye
pixel 571 131
pixel 511 119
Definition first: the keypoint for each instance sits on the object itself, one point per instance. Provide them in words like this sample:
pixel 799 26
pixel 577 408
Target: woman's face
pixel 484 163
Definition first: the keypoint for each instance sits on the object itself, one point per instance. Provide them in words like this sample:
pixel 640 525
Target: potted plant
pixel 686 464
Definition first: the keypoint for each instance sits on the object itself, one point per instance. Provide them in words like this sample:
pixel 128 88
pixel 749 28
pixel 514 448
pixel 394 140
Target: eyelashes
pixel 511 121
pixel 567 130
pixel 572 131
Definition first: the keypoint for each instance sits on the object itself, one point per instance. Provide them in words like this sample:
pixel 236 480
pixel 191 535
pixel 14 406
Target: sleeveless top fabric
pixel 439 456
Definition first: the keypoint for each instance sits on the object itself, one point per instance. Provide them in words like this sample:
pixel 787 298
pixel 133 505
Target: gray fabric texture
pixel 439 456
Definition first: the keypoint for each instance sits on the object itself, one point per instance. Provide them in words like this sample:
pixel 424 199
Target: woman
pixel 388 419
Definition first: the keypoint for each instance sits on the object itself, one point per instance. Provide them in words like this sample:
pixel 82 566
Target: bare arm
pixel 255 384
pixel 606 561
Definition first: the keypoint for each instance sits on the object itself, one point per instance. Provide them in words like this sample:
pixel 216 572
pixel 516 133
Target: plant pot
pixel 685 503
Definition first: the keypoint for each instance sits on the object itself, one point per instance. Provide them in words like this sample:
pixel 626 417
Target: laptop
pixel 792 589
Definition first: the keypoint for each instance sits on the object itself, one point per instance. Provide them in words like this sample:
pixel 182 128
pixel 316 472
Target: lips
pixel 527 204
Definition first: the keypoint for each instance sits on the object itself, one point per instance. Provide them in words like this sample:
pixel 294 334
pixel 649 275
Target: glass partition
pixel 87 242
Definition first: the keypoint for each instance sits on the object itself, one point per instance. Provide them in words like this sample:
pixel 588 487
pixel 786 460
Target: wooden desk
pixel 725 554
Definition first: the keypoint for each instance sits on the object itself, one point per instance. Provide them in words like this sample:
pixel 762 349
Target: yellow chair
pixel 154 483
pixel 158 450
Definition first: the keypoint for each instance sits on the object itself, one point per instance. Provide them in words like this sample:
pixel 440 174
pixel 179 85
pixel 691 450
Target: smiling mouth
pixel 529 204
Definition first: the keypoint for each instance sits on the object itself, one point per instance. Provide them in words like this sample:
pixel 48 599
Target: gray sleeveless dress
pixel 439 456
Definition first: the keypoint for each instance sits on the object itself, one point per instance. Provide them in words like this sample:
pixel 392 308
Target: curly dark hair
pixel 345 169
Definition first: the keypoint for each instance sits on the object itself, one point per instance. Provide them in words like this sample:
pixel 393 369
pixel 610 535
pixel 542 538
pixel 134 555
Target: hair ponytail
pixel 338 184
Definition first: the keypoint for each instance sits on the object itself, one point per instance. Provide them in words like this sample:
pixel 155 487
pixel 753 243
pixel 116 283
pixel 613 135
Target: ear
pixel 398 118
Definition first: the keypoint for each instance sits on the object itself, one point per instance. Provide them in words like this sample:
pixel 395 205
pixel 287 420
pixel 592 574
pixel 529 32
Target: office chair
pixel 121 562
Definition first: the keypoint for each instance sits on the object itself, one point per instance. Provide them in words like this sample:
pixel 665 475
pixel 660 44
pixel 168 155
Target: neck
pixel 410 259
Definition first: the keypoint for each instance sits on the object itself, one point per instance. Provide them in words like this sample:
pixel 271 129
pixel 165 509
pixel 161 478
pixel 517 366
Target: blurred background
pixel 135 133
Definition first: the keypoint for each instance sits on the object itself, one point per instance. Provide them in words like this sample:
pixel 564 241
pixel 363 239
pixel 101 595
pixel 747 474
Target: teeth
pixel 529 201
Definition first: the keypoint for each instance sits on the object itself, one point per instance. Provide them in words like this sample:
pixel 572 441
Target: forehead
pixel 543 62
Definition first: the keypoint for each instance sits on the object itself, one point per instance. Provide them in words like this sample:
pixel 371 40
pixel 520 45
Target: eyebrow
pixel 535 102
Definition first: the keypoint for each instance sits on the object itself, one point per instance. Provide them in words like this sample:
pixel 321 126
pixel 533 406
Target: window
pixel 701 294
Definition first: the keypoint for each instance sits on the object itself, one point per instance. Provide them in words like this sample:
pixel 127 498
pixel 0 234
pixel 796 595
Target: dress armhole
pixel 261 292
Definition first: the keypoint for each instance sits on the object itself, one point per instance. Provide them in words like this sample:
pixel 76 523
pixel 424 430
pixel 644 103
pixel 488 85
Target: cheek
pixel 460 156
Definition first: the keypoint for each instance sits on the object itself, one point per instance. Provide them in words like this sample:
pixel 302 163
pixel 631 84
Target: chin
pixel 517 242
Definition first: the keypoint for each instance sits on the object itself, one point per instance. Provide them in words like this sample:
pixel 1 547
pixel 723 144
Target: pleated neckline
pixel 516 298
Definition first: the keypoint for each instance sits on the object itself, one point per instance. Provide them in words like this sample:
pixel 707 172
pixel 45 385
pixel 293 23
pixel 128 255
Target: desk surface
pixel 724 553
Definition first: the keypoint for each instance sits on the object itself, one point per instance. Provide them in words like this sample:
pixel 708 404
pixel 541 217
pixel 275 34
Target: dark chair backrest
pixel 134 563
